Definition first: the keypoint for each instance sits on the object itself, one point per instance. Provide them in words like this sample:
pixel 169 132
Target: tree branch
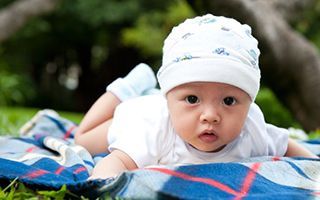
pixel 14 16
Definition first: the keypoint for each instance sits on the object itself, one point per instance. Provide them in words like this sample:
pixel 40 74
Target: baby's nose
pixel 210 116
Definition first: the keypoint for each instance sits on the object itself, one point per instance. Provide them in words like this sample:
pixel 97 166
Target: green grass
pixel 16 190
pixel 12 118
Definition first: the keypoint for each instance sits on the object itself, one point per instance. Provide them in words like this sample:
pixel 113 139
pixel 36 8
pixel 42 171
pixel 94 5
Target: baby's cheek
pixel 236 128
pixel 178 124
pixel 181 124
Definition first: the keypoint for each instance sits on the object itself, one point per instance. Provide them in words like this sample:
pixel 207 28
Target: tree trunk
pixel 289 63
pixel 18 13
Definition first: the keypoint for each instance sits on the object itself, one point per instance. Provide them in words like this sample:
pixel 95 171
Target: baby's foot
pixel 140 79
pixel 151 91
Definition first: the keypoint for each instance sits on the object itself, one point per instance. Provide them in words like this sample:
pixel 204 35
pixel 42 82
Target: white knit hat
pixel 211 49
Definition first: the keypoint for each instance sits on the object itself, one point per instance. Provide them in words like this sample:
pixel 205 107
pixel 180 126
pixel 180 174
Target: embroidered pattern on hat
pixel 184 57
pixel 248 32
pixel 254 56
pixel 207 21
pixel 185 36
pixel 221 51
pixel 225 28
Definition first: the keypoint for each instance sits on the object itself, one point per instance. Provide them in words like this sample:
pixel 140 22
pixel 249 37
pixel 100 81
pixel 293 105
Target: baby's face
pixel 208 115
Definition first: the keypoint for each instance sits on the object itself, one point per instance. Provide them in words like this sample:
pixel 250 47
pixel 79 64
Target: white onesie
pixel 142 129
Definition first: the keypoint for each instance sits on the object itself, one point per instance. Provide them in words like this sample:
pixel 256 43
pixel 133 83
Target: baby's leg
pixel 93 129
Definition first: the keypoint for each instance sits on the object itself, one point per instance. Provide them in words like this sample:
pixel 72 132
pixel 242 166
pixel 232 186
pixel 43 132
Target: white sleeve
pixel 135 133
pixel 268 139
pixel 280 137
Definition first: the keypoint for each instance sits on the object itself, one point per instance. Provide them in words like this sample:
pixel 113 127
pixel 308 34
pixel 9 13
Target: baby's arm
pixel 295 149
pixel 112 165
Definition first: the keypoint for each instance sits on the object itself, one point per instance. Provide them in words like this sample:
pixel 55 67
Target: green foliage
pixel 147 35
pixel 81 33
pixel 58 195
pixel 151 28
pixel 309 24
pixel 106 12
pixel 274 112
pixel 5 2
pixel 314 134
pixel 15 89
pixel 16 190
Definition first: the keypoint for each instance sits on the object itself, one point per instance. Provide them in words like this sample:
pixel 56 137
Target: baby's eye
pixel 192 99
pixel 229 101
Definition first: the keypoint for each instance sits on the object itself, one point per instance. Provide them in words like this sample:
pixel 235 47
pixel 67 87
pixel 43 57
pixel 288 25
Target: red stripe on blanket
pixel 207 181
pixel 316 193
pixel 31 149
pixel 35 174
pixel 68 133
pixel 59 170
pixel 246 185
pixel 80 169
pixel 276 158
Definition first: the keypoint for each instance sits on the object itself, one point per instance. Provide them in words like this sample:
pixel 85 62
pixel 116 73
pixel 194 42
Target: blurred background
pixel 61 54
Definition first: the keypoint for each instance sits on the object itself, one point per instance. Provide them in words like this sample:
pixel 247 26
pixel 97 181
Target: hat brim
pixel 210 70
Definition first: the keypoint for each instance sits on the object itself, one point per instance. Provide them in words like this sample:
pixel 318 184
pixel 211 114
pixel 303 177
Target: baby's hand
pixel 100 173
pixel 112 165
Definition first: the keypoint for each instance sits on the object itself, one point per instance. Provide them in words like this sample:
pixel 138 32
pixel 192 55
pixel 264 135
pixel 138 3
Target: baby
pixel 205 113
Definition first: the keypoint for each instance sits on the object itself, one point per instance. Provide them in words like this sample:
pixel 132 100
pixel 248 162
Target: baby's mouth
pixel 208 137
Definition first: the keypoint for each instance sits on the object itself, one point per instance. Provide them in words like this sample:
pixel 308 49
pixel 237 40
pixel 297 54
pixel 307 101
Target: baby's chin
pixel 216 150
pixel 209 150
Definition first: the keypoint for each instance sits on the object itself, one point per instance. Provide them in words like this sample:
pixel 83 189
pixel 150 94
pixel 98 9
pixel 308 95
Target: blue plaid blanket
pixel 45 157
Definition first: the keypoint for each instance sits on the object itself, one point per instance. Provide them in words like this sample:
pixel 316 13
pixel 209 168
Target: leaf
pixel 24 194
pixel 58 195
pixel 11 194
